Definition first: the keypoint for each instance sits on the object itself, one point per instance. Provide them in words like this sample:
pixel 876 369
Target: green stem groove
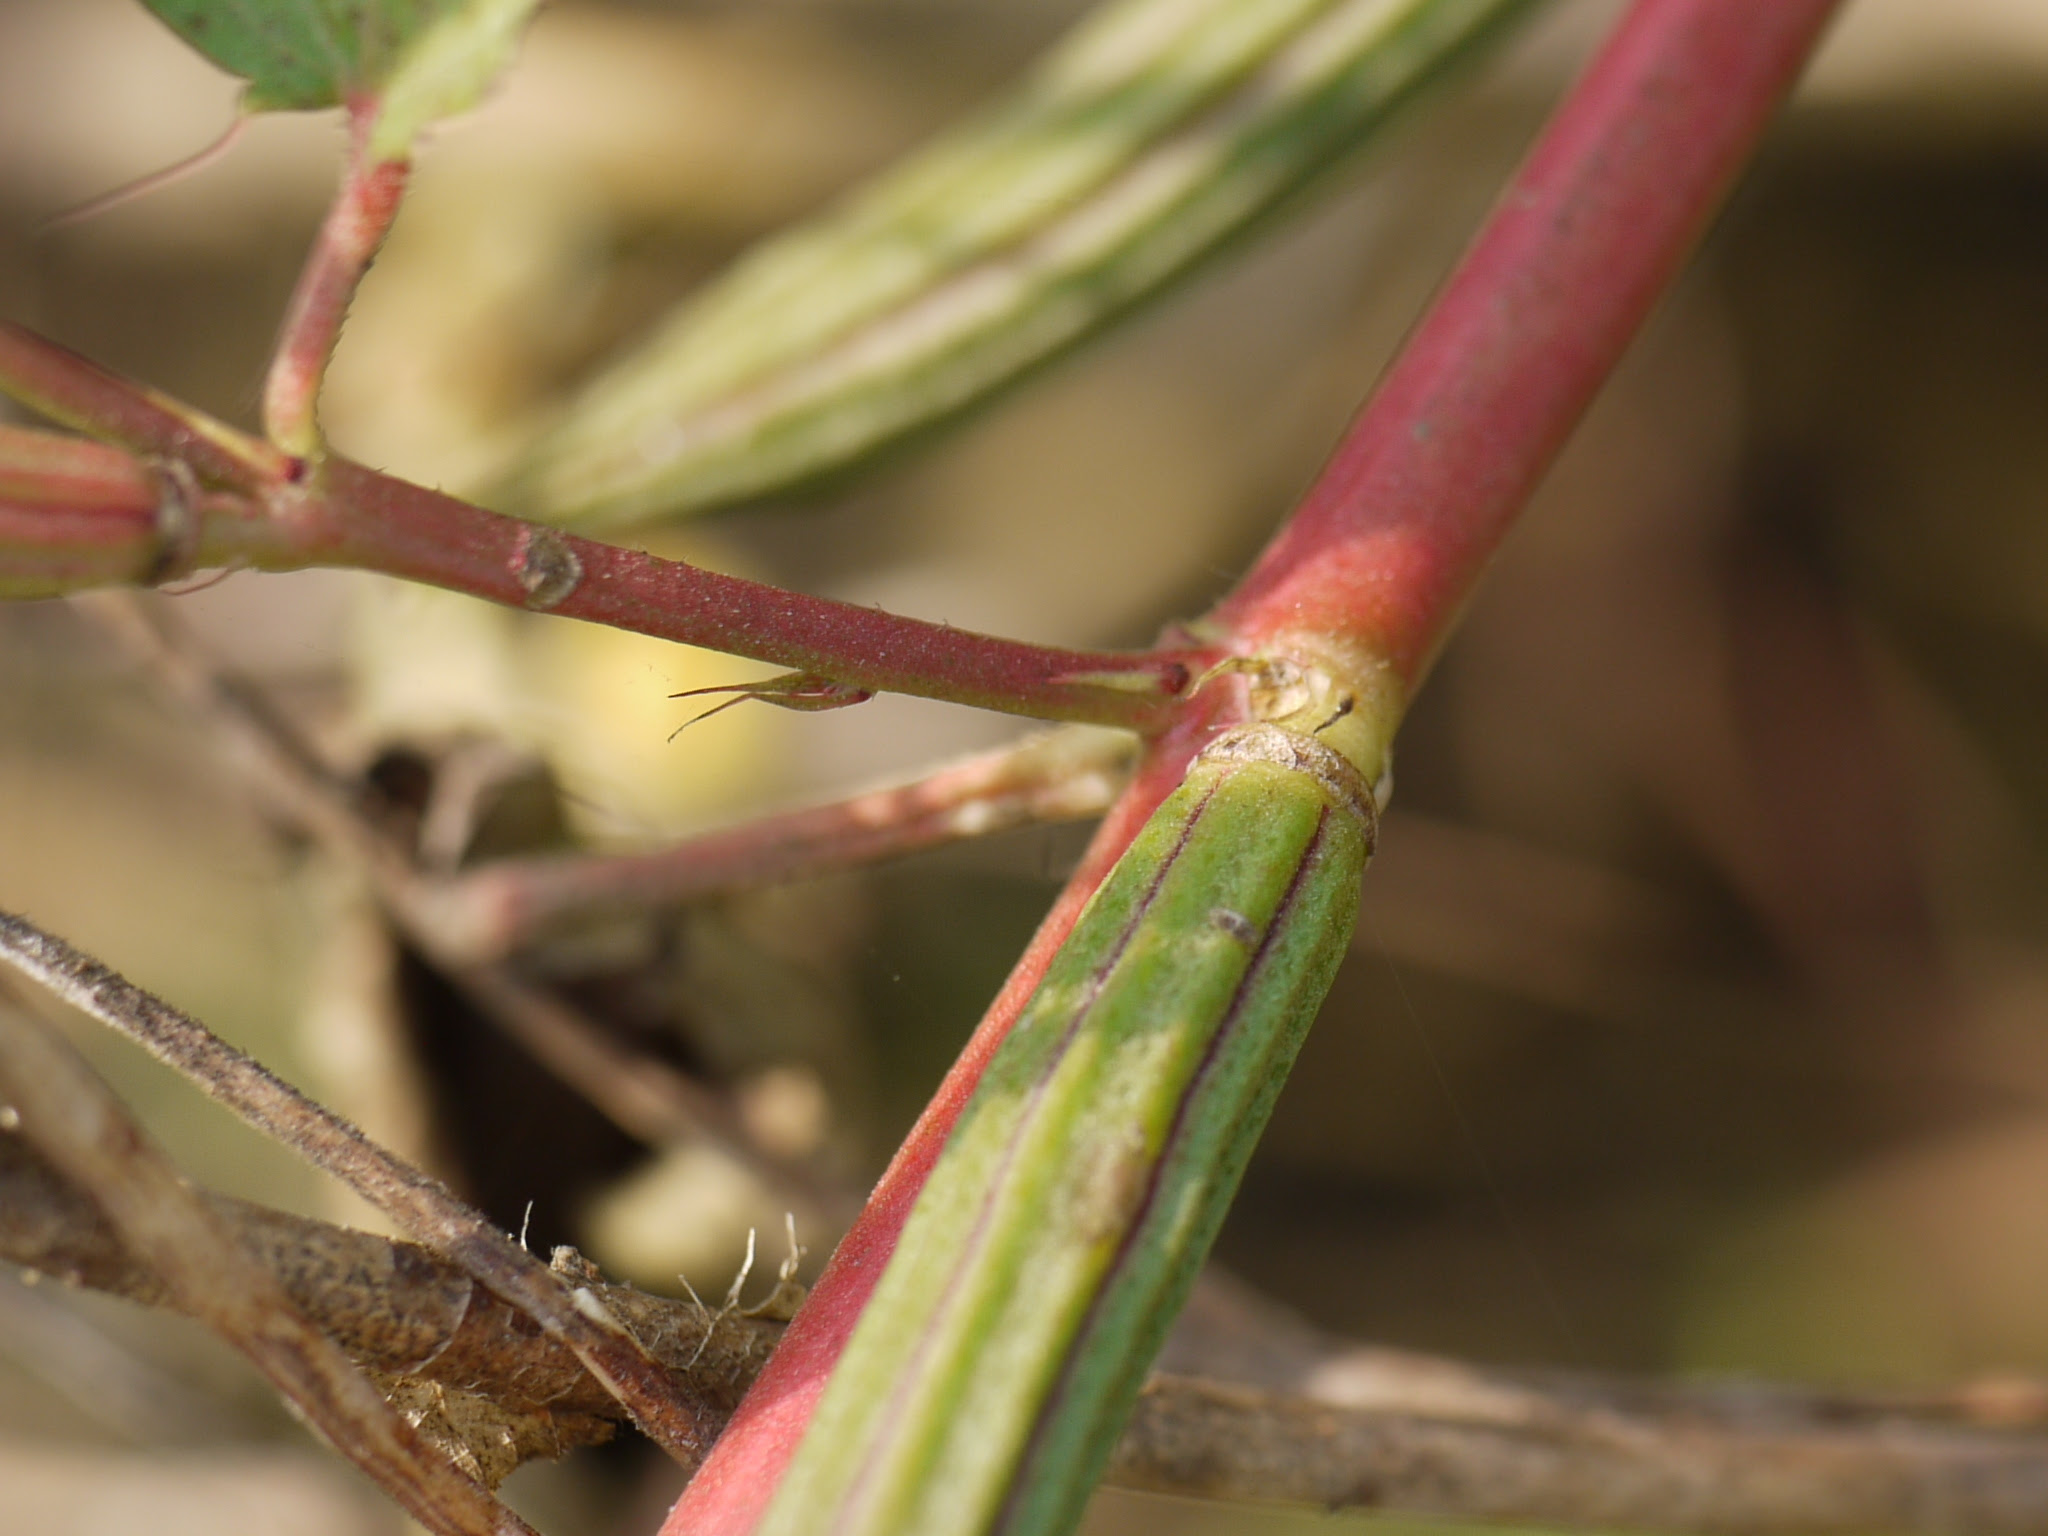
pixel 1087 1177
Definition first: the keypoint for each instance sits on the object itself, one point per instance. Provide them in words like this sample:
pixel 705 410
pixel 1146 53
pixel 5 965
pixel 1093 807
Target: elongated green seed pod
pixel 1157 131
pixel 1057 1236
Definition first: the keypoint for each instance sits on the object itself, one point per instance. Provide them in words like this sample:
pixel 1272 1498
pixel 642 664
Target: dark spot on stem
pixel 545 567
pixel 1236 924
pixel 177 523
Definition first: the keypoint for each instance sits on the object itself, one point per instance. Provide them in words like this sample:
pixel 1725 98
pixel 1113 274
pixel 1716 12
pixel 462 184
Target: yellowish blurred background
pixel 1698 1018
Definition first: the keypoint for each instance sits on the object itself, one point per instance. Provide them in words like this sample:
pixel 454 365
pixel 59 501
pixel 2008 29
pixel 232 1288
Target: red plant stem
pixel 75 514
pixel 372 522
pixel 69 389
pixel 1391 538
pixel 356 224
pixel 503 905
pixel 49 469
pixel 286 518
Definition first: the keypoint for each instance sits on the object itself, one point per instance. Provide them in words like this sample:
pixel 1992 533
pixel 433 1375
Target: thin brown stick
pixel 643 1096
pixel 62 1107
pixel 1571 1466
pixel 1430 1435
pixel 422 1205
pixel 394 1306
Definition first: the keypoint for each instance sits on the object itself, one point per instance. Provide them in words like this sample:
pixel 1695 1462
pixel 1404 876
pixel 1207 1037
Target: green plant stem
pixel 1061 1227
pixel 733 1487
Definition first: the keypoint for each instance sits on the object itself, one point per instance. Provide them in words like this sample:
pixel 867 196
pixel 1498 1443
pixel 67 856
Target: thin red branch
pixel 355 227
pixel 76 393
pixel 1390 540
pixel 1429 478
pixel 373 522
pixel 288 518
pixel 506 904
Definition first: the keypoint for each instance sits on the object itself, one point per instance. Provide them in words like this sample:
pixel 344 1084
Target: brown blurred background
pixel 1698 1018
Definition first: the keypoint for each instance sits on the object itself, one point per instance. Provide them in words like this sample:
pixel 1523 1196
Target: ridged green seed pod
pixel 1075 1200
pixel 1150 137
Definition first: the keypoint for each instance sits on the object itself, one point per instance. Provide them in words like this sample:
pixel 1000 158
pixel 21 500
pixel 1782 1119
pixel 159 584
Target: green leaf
pixel 447 68
pixel 424 58
pixel 302 54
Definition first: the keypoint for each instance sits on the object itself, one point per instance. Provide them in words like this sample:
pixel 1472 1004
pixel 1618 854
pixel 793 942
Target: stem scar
pixel 545 567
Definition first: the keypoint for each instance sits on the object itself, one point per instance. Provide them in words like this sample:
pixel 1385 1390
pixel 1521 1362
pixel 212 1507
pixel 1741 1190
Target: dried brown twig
pixel 395 1307
pixel 61 1106
pixel 1382 1428
pixel 485 915
pixel 1562 1463
pixel 421 1205
pixel 467 925
pixel 644 1096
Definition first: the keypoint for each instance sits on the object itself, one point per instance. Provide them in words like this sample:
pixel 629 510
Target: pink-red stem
pixel 373 522
pixel 70 389
pixel 355 227
pixel 278 513
pixel 77 514
pixel 1395 532
pixel 504 904
pixel 1388 543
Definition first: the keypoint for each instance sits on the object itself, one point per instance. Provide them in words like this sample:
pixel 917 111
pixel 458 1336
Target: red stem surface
pixel 504 904
pixel 285 516
pixel 1388 543
pixel 355 227
pixel 1391 538
pixel 49 469
pixel 79 393
pixel 372 522
pixel 76 513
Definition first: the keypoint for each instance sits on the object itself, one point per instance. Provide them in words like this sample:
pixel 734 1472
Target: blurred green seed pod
pixel 1085 1181
pixel 1156 132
